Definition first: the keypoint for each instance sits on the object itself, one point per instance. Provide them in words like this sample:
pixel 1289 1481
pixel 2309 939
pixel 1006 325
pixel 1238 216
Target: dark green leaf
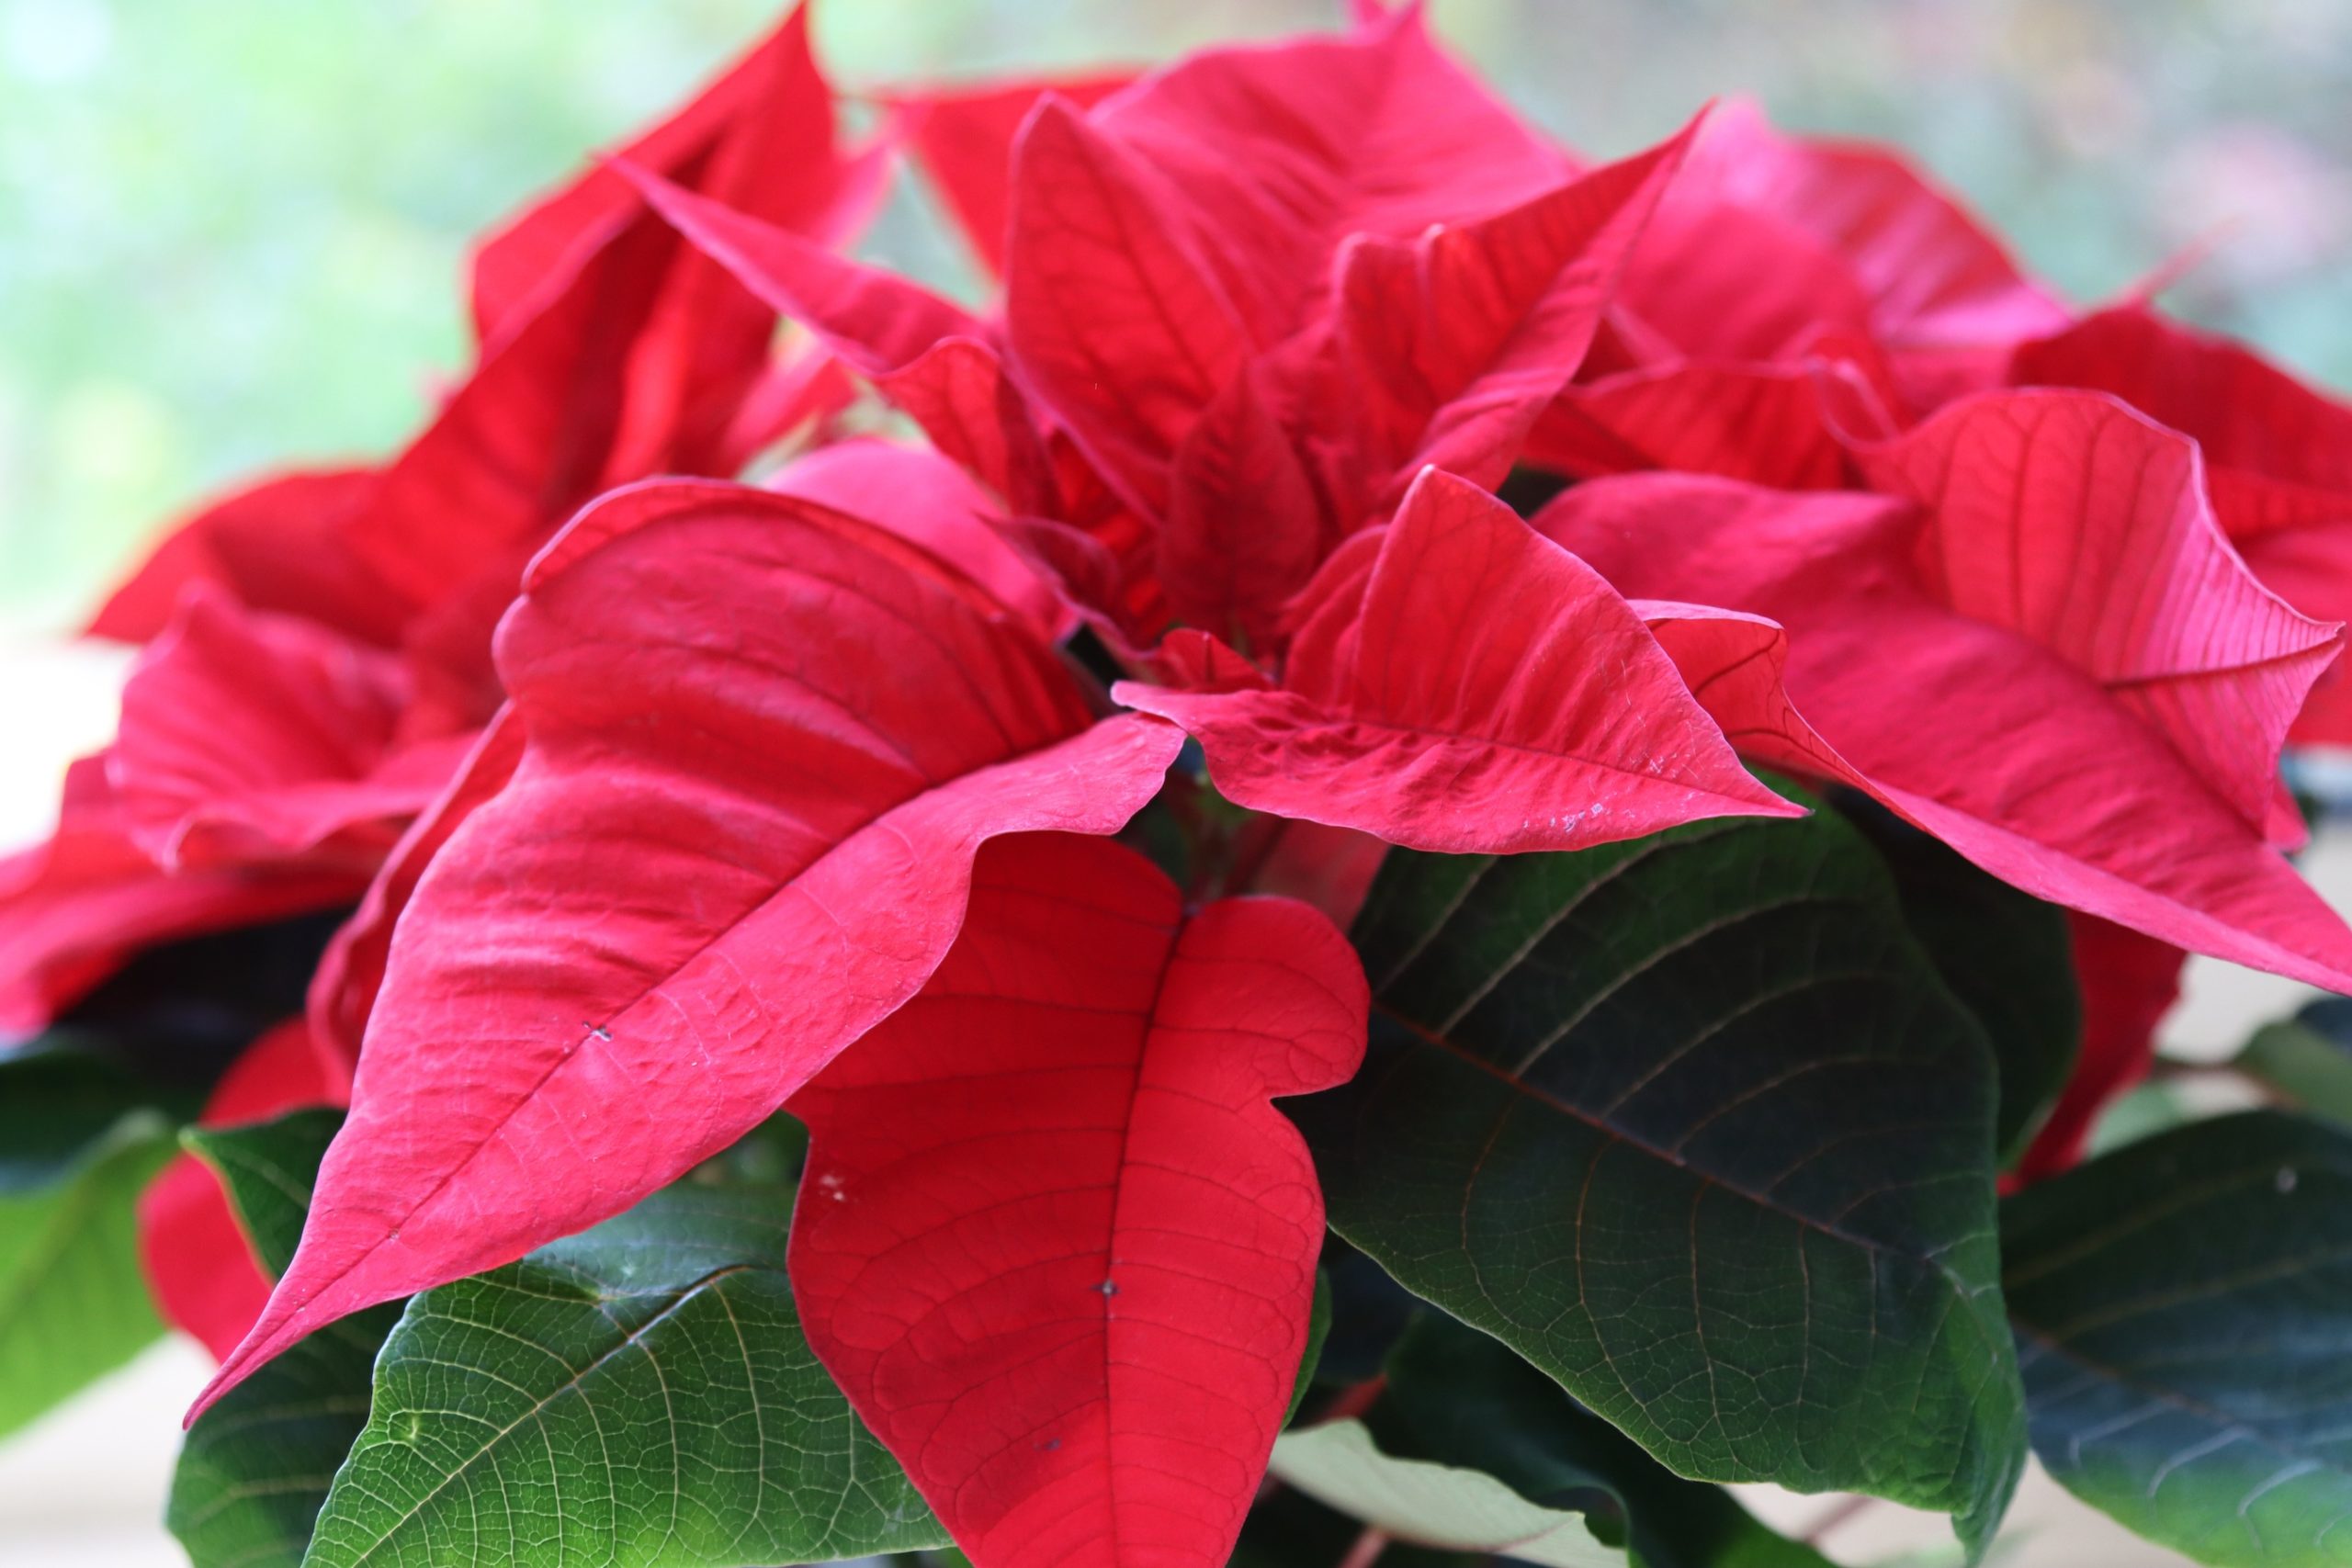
pixel 2307 1057
pixel 57 1104
pixel 1691 1123
pixel 2184 1319
pixel 73 1303
pixel 178 1013
pixel 640 1394
pixel 268 1168
pixel 255 1467
pixel 1455 1396
pixel 1318 1328
pixel 2006 955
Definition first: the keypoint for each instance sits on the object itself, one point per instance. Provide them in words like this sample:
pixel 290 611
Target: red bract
pixel 330 658
pixel 720 860
pixel 609 351
pixel 351 970
pixel 1052 1241
pixel 1242 308
pixel 72 908
pixel 2277 455
pixel 2076 523
pixel 963 141
pixel 1774 244
pixel 1986 736
pixel 277 546
pixel 247 737
pixel 1476 690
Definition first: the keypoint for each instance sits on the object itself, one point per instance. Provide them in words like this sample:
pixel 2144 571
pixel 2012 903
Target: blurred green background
pixel 230 231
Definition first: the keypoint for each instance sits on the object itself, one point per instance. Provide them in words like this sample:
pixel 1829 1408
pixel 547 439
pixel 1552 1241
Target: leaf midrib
pixel 1618 1136
pixel 631 1341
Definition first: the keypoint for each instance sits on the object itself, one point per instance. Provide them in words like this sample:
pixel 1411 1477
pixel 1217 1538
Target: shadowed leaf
pixel 1686 1122
pixel 2181 1318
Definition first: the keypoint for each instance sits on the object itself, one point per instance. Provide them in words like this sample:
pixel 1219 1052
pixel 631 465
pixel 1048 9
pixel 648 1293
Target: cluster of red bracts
pixel 750 775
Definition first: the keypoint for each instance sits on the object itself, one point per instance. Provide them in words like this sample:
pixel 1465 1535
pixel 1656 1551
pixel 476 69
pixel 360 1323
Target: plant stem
pixel 1367 1549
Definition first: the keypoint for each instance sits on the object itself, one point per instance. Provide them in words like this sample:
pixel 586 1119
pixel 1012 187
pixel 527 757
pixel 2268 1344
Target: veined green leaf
pixel 2184 1318
pixel 1691 1123
pixel 2006 955
pixel 1456 1396
pixel 256 1466
pixel 635 1396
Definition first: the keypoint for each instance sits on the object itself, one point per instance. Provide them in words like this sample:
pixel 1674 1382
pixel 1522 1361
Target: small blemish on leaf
pixel 1049 1445
pixel 1108 1287
pixel 412 1428
pixel 2285 1179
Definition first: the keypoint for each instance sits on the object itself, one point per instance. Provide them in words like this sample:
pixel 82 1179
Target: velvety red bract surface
pixel 248 735
pixel 922 497
pixel 1983 736
pixel 1768 424
pixel 275 545
pixel 199 1262
pixel 1052 1241
pixel 962 139
pixel 1492 694
pixel 2277 455
pixel 75 907
pixel 1445 350
pixel 351 970
pixel 2071 519
pixel 1111 311
pixel 1935 281
pixel 1268 158
pixel 763 742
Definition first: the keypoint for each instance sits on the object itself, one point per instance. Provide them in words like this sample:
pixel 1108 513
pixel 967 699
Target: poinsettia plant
pixel 1424 847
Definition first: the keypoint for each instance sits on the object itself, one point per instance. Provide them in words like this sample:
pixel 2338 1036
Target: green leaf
pixel 2006 955
pixel 1318 1328
pixel 57 1104
pixel 2307 1057
pixel 268 1168
pixel 2184 1311
pixel 1456 1396
pixel 1691 1123
pixel 1434 1505
pixel 256 1466
pixel 637 1395
pixel 74 1305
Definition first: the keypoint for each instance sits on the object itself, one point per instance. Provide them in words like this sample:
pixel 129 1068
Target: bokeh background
pixel 231 232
